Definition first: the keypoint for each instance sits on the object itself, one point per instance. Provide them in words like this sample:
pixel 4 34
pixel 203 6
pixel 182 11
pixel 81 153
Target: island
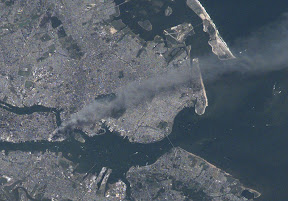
pixel 58 59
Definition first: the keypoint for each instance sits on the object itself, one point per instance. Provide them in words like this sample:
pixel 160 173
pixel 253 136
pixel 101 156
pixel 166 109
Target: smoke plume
pixel 129 96
pixel 265 50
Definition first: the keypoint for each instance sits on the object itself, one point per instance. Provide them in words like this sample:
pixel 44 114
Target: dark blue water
pixel 244 129
pixel 237 19
pixel 243 132
pixel 133 11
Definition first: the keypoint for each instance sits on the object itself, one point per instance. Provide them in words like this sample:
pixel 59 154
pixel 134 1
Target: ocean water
pixel 237 19
pixel 243 132
pixel 244 129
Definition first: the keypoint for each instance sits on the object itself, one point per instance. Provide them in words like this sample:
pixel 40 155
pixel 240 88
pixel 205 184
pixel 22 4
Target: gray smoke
pixel 129 96
pixel 265 50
